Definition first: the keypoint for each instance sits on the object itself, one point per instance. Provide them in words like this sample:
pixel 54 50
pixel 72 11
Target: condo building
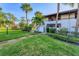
pixel 66 19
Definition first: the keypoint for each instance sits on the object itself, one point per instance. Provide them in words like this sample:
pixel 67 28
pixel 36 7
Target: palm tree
pixel 22 23
pixel 57 16
pixel 6 19
pixel 10 21
pixel 26 7
pixel 2 18
pixel 11 18
pixel 77 22
pixel 38 19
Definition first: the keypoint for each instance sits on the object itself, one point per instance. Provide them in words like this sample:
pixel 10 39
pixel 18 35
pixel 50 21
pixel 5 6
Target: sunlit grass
pixel 40 45
pixel 12 34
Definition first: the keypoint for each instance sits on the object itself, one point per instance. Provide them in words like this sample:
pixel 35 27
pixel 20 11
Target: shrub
pixel 14 28
pixel 47 29
pixel 51 30
pixel 37 32
pixel 64 38
pixel 63 31
pixel 60 37
pixel 27 28
pixel 22 25
pixel 74 39
pixel 75 34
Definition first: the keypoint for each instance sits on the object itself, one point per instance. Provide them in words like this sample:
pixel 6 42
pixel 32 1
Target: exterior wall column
pixel 45 28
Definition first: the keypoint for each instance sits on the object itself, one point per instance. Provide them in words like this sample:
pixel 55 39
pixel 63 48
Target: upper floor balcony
pixel 63 21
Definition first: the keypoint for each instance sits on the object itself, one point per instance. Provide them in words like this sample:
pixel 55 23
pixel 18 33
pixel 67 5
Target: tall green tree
pixel 3 17
pixel 27 8
pixel 11 18
pixel 6 19
pixel 22 23
pixel 10 21
pixel 38 19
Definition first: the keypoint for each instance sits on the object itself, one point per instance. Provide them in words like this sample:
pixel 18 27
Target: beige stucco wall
pixel 65 16
pixel 72 15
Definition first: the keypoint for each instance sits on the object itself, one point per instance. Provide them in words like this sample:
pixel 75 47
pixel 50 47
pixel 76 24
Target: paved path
pixel 13 41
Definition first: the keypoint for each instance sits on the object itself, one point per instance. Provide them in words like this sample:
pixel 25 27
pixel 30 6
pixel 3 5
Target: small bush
pixel 27 28
pixel 47 29
pixel 64 38
pixel 51 30
pixel 14 28
pixel 37 32
pixel 63 31
pixel 75 39
pixel 60 37
pixel 75 34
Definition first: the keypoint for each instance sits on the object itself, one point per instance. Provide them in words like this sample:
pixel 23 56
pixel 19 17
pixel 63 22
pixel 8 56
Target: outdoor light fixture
pixel 7 26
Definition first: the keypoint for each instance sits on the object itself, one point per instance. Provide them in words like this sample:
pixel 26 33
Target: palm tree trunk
pixel 57 16
pixel 37 28
pixel 26 18
pixel 77 22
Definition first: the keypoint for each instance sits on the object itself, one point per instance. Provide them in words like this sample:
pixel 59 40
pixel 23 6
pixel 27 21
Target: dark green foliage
pixel 22 23
pixel 63 31
pixel 27 28
pixel 14 28
pixel 64 38
pixel 38 20
pixel 27 8
pixel 37 32
pixel 47 29
pixel 51 30
pixel 57 36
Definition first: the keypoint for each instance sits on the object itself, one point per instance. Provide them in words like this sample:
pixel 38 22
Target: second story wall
pixel 63 15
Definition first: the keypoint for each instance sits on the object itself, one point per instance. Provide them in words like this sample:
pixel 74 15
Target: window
pixel 58 25
pixel 53 25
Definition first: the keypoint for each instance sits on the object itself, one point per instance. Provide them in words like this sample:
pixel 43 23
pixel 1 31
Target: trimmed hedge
pixel 63 31
pixel 27 28
pixel 51 30
pixel 57 36
pixel 64 38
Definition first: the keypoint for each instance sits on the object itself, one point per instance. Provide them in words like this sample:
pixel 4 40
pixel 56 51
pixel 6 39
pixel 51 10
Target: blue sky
pixel 45 8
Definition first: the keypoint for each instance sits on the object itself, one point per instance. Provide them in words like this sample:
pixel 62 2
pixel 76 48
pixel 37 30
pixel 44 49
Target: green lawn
pixel 40 45
pixel 12 35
